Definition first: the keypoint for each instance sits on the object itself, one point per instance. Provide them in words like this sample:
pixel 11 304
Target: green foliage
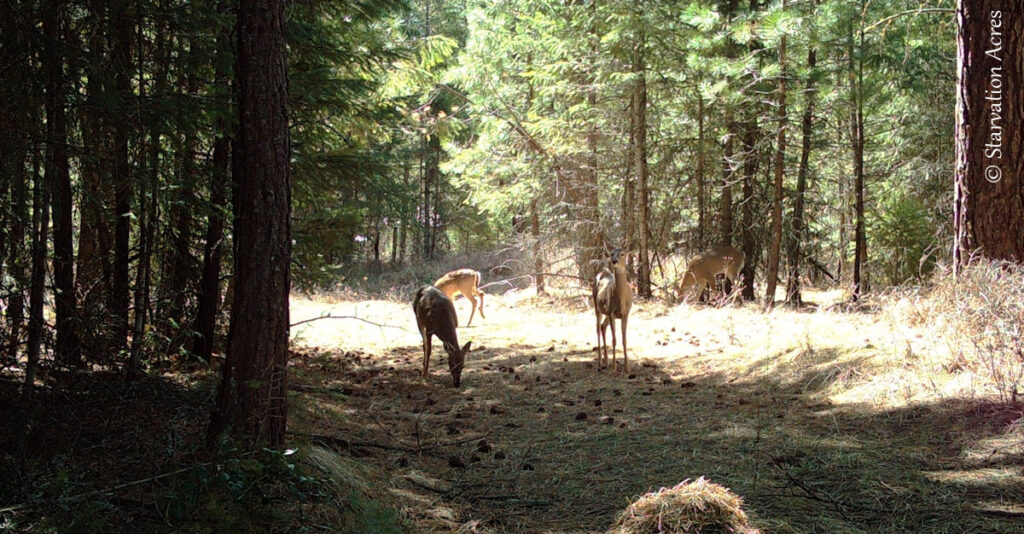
pixel 904 238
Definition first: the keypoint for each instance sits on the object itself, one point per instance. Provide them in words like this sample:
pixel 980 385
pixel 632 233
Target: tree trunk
pixel 120 56
pixel 93 272
pixel 208 299
pixel 429 174
pixel 394 241
pixel 37 287
pixel 751 162
pixel 728 169
pixel 780 173
pixel 795 253
pixel 701 186
pixel 148 216
pixel 856 77
pixel 15 146
pixel 251 396
pixel 68 347
pixel 640 154
pixel 988 205
pixel 538 252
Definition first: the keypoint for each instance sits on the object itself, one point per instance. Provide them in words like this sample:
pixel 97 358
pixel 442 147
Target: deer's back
pixel 717 260
pixel 435 312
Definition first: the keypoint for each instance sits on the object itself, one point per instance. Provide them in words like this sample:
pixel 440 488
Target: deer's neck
pixel 621 284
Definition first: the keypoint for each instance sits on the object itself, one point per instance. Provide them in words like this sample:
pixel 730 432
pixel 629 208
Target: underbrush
pixel 107 456
pixel 974 323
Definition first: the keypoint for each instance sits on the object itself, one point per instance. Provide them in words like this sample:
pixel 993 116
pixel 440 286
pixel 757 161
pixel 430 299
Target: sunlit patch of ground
pixel 823 420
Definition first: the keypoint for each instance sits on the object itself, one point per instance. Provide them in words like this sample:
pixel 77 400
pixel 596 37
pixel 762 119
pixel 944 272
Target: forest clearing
pixel 349 266
pixel 822 420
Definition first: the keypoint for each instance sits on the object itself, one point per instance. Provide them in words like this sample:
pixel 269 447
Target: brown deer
pixel 703 268
pixel 463 281
pixel 613 298
pixel 435 316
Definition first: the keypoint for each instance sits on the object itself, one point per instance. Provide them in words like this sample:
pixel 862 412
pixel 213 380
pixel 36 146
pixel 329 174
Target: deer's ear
pixel 465 348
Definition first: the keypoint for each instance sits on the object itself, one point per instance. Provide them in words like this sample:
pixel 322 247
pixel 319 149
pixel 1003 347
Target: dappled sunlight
pixel 812 395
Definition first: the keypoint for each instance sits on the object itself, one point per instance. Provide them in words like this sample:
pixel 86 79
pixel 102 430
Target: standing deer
pixel 435 316
pixel 613 298
pixel 703 269
pixel 463 281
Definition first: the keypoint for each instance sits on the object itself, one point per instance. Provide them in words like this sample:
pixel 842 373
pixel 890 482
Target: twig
pixel 910 12
pixel 328 316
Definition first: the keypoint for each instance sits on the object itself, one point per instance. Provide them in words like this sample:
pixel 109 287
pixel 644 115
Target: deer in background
pixel 435 316
pixel 613 298
pixel 703 268
pixel 464 281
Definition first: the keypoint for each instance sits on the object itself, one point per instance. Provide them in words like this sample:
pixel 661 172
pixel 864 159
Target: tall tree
pixel 989 178
pixel 251 397
pixel 794 251
pixel 640 153
pixel 37 287
pixel 855 72
pixel 121 64
pixel 209 285
pixel 779 175
pixel 58 177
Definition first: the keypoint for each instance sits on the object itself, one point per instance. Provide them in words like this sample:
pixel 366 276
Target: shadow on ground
pixel 538 440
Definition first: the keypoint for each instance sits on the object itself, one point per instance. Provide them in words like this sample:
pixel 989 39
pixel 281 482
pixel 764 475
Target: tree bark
pixel 640 155
pixel 251 397
pixel 795 252
pixel 93 271
pixel 728 169
pixel 538 252
pixel 37 287
pixel 701 185
pixel 68 347
pixel 988 204
pixel 14 145
pixel 751 162
pixel 120 56
pixel 856 78
pixel 780 173
pixel 208 298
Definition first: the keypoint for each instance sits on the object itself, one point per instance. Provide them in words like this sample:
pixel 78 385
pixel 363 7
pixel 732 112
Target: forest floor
pixel 822 419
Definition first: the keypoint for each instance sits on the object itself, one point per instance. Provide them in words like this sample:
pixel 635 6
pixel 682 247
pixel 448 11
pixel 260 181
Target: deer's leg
pixel 612 321
pixel 472 307
pixel 481 295
pixel 426 352
pixel 625 354
pixel 599 336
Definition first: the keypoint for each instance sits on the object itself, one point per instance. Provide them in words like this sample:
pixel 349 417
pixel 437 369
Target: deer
pixel 463 281
pixel 613 298
pixel 435 316
pixel 704 267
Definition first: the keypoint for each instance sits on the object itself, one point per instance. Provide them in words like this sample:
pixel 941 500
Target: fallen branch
pixel 328 316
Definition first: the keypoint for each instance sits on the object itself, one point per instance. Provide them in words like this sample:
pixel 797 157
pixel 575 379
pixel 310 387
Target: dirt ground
pixel 822 420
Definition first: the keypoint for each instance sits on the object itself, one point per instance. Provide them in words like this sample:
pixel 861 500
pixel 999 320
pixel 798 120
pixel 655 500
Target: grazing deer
pixel 435 316
pixel 613 298
pixel 463 281
pixel 703 269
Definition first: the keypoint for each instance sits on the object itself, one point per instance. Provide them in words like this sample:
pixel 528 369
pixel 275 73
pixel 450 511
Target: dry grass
pixel 823 419
pixel 688 507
